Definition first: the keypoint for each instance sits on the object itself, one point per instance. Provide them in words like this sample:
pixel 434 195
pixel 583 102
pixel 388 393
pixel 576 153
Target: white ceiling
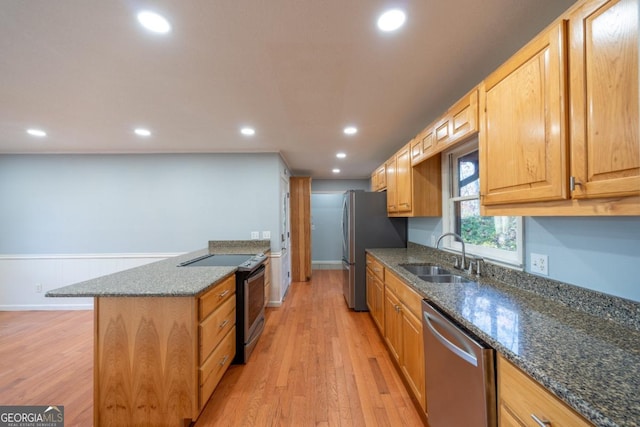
pixel 298 71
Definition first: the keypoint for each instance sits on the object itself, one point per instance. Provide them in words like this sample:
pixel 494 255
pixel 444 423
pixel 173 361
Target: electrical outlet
pixel 540 264
pixel 255 235
pixel 433 240
pixel 266 234
pixel 39 287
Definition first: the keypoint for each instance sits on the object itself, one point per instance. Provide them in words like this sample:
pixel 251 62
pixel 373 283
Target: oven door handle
pixel 467 356
pixel 256 274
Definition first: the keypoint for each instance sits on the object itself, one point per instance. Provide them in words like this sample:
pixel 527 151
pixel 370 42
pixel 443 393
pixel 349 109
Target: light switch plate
pixel 540 264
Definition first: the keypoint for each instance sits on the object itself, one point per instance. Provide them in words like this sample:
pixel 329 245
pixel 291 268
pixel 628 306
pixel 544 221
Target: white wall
pixel 22 275
pixel 67 218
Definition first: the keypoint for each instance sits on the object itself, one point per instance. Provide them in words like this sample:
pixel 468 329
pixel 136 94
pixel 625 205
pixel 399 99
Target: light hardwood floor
pixel 317 364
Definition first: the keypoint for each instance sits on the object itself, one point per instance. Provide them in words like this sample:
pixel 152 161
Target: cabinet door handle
pixel 222 295
pixel 224 360
pixel 541 423
pixel 223 324
pixel 573 183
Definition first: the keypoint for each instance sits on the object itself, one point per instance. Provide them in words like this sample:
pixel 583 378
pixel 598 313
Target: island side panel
pixel 145 361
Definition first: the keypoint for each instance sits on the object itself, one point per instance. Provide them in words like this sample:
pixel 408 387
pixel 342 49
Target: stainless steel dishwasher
pixel 460 373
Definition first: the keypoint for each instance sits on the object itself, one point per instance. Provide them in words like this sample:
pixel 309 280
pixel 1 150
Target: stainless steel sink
pixel 444 278
pixel 425 269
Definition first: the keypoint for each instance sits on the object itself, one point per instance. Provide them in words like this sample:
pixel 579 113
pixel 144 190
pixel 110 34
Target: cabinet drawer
pixel 407 296
pixel 375 266
pixel 392 282
pixel 215 366
pixel 411 299
pixel 216 296
pixel 216 326
pixel 521 397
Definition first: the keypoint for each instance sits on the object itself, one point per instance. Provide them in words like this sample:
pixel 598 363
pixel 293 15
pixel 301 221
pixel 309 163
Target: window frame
pixel 449 171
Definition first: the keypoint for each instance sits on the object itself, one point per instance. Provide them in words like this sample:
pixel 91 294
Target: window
pixel 497 238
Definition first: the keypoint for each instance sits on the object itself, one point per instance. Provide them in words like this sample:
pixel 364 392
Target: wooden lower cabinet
pixel 403 333
pixel 393 325
pixel 375 291
pixel 158 359
pixel 520 399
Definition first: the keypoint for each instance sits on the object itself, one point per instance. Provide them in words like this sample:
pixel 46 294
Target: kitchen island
pixel 152 363
pixel 581 345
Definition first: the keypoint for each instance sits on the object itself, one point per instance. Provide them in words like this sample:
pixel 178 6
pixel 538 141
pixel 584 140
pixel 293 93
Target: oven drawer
pixel 216 296
pixel 216 365
pixel 215 327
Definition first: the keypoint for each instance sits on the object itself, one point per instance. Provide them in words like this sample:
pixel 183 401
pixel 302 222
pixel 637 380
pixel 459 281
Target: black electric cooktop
pixel 226 260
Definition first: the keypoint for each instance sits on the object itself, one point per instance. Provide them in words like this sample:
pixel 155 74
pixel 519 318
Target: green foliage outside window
pixel 492 232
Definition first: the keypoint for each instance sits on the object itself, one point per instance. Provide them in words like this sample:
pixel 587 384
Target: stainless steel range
pixel 249 296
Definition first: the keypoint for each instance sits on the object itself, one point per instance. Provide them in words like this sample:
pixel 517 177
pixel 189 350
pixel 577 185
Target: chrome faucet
pixel 464 256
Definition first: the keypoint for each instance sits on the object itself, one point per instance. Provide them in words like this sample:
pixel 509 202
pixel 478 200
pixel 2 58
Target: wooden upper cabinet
pixel 413 190
pixel 428 142
pixel 423 146
pixel 379 179
pixel 417 153
pixel 605 143
pixel 392 194
pixel 523 139
pixel 459 122
pixel 403 179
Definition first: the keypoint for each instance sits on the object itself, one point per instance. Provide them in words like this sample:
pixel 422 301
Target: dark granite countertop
pixel 590 361
pixel 164 278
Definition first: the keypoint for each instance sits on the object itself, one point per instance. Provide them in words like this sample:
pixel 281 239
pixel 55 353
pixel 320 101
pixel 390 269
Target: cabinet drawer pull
pixel 224 360
pixel 223 324
pixel 222 295
pixel 541 423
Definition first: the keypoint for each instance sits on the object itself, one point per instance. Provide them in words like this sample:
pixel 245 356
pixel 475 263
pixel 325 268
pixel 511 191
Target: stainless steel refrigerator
pixel 365 225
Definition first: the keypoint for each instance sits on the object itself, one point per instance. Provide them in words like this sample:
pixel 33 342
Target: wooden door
pixel 523 140
pixel 605 142
pixel 300 228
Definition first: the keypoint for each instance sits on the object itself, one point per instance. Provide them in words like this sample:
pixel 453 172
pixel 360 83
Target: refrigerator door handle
pixel 346 250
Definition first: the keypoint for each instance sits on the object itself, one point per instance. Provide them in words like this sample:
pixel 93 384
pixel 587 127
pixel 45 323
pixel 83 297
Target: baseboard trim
pixel 326 265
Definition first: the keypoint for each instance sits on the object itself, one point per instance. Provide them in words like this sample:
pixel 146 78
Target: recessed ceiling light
pixel 391 20
pixel 350 130
pixel 336 171
pixel 142 132
pixel 154 22
pixel 248 131
pixel 341 155
pixel 36 132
